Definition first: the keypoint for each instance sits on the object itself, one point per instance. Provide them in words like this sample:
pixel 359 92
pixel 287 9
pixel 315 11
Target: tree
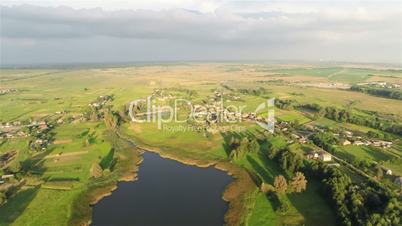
pixel 280 184
pixel 299 182
pixel 273 152
pixel 254 146
pixel 379 172
pixel 244 145
pixel 3 198
pixel 289 160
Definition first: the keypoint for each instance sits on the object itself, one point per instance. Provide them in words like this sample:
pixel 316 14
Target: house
pixel 7 176
pixel 325 157
pixel 22 134
pixel 303 140
pixel 310 156
pixel 295 136
pixel 346 142
pixel 348 133
pixel 358 143
pixel 43 126
pixel 385 144
pixel 380 143
pixel 388 172
pixel 367 143
pixel 9 135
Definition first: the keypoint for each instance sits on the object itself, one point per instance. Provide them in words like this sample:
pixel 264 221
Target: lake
pixel 166 193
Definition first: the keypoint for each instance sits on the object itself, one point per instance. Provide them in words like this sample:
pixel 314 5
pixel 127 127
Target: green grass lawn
pixel 66 163
pixel 351 152
pixel 188 144
pixel 64 179
pixel 39 207
pixel 308 207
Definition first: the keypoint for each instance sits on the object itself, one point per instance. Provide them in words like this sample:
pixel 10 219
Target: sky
pixel 96 31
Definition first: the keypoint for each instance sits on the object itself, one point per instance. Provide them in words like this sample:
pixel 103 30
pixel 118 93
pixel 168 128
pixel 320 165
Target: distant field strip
pixel 61 155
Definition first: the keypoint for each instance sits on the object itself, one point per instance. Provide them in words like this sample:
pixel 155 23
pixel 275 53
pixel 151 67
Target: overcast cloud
pixel 208 30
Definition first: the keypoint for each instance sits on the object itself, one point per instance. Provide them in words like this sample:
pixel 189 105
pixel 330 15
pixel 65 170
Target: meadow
pixel 55 180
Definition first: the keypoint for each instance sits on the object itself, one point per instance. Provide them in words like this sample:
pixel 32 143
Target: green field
pixel 55 178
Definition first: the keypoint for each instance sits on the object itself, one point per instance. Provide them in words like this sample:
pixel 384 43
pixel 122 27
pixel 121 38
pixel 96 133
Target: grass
pixel 48 207
pixel 261 211
pixel 16 206
pixel 351 152
pixel 338 74
pixel 189 144
pixel 67 178
pixel 63 170
pixel 305 208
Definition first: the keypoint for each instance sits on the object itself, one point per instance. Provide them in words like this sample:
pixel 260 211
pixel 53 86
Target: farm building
pixel 388 172
pixel 325 157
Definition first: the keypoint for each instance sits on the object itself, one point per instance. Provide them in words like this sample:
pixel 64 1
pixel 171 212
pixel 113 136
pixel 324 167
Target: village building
pixel 346 142
pixel 295 136
pixel 358 143
pixel 348 133
pixel 367 143
pixel 381 143
pixel 325 157
pixel 9 135
pixel 388 172
pixel 322 156
pixel 7 176
pixel 22 134
pixel 303 140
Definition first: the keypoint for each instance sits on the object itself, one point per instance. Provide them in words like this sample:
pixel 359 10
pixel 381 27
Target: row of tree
pixel 288 160
pixel 255 92
pixel 382 92
pixel 369 203
pixel 240 148
pixel 341 115
pixel 324 140
pixel 286 104
pixel 297 184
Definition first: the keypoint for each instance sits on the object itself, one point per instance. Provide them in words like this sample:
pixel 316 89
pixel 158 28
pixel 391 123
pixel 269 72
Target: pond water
pixel 166 193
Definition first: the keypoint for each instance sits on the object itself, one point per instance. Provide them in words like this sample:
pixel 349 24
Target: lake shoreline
pixel 92 197
pixel 234 193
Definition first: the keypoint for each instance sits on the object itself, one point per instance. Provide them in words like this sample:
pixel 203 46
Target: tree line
pixel 367 204
pixel 342 115
pixel 382 92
